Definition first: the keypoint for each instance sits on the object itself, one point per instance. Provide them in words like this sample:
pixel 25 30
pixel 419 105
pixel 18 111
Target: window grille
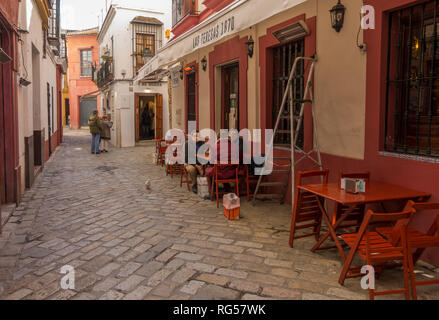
pixel 412 93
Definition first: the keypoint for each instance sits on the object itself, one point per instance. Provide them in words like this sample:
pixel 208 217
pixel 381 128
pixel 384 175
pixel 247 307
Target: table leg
pixel 331 229
pixel 327 234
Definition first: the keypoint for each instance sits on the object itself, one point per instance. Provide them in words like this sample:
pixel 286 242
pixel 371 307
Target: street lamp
pixel 250 47
pixel 204 64
pixel 337 16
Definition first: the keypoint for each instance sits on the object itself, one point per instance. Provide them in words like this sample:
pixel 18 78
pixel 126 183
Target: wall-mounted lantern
pixel 250 47
pixel 337 16
pixel 204 63
pixel 181 73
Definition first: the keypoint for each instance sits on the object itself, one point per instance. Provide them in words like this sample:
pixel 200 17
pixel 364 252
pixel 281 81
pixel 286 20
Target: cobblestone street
pixel 93 213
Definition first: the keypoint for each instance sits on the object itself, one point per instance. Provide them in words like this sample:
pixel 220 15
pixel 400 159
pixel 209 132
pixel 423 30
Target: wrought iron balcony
pixel 104 75
pixel 182 9
pixel 54 32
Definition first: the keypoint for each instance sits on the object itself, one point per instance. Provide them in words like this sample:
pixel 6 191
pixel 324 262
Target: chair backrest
pixel 301 175
pixel 224 166
pixel 401 220
pixel 362 175
pixel 426 206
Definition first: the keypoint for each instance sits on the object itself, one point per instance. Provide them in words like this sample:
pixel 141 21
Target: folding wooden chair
pixel 250 181
pixel 184 175
pixel 216 181
pixel 377 251
pixel 161 152
pixel 418 240
pixel 306 211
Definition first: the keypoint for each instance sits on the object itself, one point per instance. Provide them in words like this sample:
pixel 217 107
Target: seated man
pixel 193 169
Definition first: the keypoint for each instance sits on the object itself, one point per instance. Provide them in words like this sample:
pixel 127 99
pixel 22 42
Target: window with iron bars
pixel 283 60
pixel 412 92
pixel 147 40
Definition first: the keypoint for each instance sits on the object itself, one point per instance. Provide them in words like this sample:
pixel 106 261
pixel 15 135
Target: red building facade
pixel 10 171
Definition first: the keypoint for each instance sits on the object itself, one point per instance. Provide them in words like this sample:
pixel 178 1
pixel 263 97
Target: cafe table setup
pixel 376 246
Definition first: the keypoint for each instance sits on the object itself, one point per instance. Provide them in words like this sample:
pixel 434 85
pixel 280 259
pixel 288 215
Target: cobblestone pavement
pixel 93 213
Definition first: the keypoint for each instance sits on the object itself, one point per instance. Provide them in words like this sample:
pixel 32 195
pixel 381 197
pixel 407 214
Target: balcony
pixel 185 15
pixel 104 75
pixel 53 32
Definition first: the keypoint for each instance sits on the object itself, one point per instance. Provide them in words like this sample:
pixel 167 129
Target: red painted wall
pixel 9 10
pixel 10 172
pixel 79 86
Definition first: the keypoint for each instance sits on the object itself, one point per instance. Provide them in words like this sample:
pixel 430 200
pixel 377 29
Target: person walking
pixel 95 125
pixel 105 133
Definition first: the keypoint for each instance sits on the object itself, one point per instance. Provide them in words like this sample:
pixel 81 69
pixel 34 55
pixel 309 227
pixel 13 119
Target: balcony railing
pixel 53 32
pixel 104 75
pixel 181 9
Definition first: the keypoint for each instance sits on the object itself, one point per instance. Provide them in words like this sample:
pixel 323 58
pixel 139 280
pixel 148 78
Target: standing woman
pixel 95 125
pixel 105 133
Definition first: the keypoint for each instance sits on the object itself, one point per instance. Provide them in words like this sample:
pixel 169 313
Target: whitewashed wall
pixel 30 20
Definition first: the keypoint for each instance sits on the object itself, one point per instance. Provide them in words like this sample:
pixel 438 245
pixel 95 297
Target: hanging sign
pixel 175 78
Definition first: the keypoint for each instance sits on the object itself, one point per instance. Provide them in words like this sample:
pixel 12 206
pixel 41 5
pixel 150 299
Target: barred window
pixel 86 63
pixel 412 92
pixel 283 61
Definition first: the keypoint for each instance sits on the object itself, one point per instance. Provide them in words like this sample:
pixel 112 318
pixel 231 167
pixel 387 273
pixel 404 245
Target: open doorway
pixel 145 117
pixel 230 97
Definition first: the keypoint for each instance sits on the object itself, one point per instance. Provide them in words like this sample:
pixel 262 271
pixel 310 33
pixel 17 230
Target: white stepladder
pixel 308 99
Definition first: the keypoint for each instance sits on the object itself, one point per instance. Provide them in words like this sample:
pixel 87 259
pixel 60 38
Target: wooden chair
pixel 216 181
pixel 161 152
pixel 418 240
pixel 377 251
pixel 306 211
pixel 353 215
pixel 250 181
pixel 185 176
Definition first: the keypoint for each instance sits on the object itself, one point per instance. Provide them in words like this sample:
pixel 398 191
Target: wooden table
pixel 376 192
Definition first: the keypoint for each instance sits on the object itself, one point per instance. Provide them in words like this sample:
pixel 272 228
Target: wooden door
pixel 137 120
pixel 159 116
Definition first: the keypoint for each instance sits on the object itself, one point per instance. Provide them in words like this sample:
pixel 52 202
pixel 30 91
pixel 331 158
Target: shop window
pixel 283 60
pixel 86 63
pixel 412 92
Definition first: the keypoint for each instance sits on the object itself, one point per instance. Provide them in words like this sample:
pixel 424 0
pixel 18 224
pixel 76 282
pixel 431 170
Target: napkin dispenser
pixel 353 185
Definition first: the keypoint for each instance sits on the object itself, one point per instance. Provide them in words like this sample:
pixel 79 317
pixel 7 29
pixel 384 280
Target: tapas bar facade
pixel 229 69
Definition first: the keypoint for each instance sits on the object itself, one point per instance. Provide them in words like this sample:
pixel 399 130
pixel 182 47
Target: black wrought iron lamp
pixel 250 47
pixel 181 73
pixel 204 64
pixel 337 16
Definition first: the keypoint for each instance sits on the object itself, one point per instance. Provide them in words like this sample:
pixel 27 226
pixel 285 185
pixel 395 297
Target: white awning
pixel 234 18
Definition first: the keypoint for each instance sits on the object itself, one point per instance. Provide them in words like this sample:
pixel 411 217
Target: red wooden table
pixel 376 192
